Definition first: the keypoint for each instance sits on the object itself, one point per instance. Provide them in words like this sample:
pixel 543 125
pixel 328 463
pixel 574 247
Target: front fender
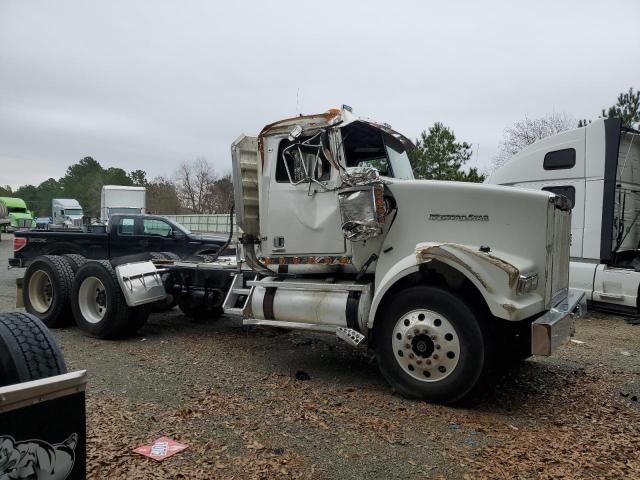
pixel 492 274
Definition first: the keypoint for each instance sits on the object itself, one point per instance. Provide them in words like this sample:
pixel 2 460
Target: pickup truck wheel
pixel 46 290
pixel 27 350
pixel 430 345
pixel 99 307
pixel 74 260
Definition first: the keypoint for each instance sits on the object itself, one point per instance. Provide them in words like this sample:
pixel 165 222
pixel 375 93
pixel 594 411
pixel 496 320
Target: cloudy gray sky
pixel 148 84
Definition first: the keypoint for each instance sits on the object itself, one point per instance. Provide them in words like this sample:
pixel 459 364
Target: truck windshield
pixel 73 211
pixel 368 146
pixel 16 210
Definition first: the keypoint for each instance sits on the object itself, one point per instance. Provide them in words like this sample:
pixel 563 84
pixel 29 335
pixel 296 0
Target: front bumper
pixel 554 327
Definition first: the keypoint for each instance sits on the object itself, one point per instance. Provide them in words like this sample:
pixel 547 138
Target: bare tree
pixel 193 183
pixel 527 131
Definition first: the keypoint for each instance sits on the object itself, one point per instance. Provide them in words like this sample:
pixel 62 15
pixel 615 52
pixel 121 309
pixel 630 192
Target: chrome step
pixel 238 294
pixel 350 336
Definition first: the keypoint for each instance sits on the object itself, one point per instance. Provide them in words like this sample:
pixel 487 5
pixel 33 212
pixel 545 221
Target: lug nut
pixel 409 336
pixel 428 362
pixel 435 357
pixel 411 355
pixel 419 362
pixel 437 347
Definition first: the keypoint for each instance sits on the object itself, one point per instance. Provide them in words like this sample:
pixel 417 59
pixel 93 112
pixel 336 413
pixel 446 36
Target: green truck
pixel 15 211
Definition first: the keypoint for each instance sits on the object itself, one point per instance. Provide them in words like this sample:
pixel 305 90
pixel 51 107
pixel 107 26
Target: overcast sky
pixel 148 84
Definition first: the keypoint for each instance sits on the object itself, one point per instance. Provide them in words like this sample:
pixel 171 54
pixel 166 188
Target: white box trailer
pixel 598 168
pixel 120 199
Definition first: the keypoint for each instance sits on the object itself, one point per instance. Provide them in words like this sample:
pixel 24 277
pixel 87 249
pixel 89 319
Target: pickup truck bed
pixel 124 235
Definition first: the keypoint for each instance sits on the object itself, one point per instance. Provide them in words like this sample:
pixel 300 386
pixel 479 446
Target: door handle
pixel 278 250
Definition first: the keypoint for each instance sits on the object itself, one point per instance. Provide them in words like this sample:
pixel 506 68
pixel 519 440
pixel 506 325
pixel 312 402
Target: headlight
pixel 527 282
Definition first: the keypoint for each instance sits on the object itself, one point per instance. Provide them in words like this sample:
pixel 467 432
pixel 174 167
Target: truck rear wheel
pixel 46 290
pixel 430 345
pixel 74 260
pixel 27 350
pixel 99 307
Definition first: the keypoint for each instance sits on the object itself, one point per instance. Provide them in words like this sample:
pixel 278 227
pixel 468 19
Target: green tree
pixel 627 108
pixel 139 178
pixel 438 156
pixel 162 197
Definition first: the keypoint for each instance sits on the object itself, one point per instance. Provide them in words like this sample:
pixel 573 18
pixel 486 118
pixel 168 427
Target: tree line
pixel 197 188
pixel 84 180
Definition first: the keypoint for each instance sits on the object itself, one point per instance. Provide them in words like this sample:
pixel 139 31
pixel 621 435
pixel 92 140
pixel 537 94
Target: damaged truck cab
pixel 440 278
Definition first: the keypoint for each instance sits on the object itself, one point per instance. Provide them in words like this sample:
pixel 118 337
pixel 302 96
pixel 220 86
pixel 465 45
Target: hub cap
pixel 426 345
pixel 40 291
pixel 92 299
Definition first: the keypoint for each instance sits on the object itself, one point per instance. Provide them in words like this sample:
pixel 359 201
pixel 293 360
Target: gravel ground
pixel 232 395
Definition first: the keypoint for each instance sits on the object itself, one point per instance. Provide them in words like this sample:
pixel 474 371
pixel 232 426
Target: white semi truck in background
pixel 598 169
pixel 121 199
pixel 66 213
pixel 441 280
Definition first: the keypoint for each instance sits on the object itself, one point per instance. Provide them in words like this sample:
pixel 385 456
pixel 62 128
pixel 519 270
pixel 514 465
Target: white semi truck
pixel 440 279
pixel 66 213
pixel 598 169
pixel 121 199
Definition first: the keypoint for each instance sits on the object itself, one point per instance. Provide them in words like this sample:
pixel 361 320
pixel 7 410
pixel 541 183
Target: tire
pixel 99 307
pixel 430 345
pixel 47 288
pixel 27 350
pixel 74 260
pixel 199 312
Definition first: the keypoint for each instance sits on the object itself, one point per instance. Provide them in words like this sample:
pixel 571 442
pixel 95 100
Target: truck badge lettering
pixel 459 218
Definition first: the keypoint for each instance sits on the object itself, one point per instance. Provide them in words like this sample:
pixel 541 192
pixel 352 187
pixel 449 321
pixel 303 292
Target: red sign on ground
pixel 161 449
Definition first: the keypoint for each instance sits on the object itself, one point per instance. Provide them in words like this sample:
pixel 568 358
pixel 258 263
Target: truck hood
pixel 503 218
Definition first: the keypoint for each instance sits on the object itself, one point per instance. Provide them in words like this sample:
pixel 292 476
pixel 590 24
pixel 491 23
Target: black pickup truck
pixel 124 235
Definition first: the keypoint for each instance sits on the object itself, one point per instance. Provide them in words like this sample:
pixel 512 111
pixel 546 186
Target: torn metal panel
pixel 426 251
pixel 362 212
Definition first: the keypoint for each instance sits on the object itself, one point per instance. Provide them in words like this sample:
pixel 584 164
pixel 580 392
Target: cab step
pixel 238 296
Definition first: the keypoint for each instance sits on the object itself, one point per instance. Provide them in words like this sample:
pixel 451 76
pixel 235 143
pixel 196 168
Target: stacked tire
pixel 27 350
pixel 60 289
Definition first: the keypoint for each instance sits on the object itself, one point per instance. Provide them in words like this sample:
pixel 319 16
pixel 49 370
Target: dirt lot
pixel 232 394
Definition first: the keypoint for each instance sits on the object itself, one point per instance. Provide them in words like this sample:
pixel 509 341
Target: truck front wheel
pixel 430 345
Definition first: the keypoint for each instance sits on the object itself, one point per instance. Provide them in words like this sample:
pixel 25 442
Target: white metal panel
pixel 616 285
pixel 310 224
pixel 592 218
pixel 581 276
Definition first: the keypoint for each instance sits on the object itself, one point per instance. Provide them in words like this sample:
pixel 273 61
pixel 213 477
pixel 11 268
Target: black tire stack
pixel 27 350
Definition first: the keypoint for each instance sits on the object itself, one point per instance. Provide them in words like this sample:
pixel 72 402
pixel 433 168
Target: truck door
pixel 158 235
pixel 303 217
pixel 125 237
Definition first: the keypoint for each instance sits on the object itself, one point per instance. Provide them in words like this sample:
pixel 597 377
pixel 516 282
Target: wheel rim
pixel 426 345
pixel 92 299
pixel 40 291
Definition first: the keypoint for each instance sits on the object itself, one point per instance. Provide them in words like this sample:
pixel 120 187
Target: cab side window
pixel 156 228
pixel 560 159
pixel 126 226
pixel 301 160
